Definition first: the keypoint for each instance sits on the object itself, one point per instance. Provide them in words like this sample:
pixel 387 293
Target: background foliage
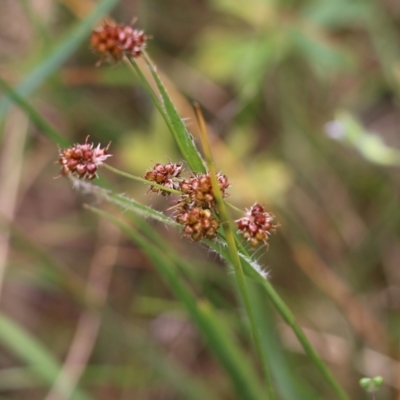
pixel 271 77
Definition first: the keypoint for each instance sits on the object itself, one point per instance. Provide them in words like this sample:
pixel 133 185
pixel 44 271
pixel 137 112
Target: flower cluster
pixel 198 223
pixel 112 42
pixel 164 175
pixel 256 226
pixel 198 191
pixel 196 207
pixel 82 160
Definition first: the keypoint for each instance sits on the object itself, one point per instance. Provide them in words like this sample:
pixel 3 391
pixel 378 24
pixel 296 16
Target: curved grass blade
pixel 37 119
pixel 179 130
pixel 124 202
pixel 251 269
pixel 33 353
pixel 255 272
pixel 233 252
pixel 209 325
pixel 161 366
pixel 59 53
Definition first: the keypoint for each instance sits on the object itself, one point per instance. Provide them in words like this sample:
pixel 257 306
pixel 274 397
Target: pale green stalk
pixel 142 180
pixel 233 251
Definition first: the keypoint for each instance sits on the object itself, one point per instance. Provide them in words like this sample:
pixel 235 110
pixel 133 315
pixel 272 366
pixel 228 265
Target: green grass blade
pixel 233 252
pixel 254 271
pixel 209 325
pixel 289 386
pixel 160 366
pixel 33 353
pixel 124 202
pixel 59 54
pixel 250 268
pixel 179 130
pixel 50 132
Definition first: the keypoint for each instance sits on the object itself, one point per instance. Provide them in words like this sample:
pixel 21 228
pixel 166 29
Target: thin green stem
pixel 133 66
pixel 309 349
pixel 233 252
pixel 233 207
pixel 140 179
pixel 182 136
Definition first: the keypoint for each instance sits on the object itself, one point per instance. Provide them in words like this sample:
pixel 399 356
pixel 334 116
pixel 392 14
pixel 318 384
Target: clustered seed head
pixel 82 160
pixel 112 42
pixel 198 223
pixel 197 190
pixel 196 207
pixel 164 175
pixel 256 226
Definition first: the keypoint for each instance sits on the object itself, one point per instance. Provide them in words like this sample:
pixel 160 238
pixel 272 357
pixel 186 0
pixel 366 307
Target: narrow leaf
pixel 59 53
pixel 35 117
pixel 203 315
pixel 33 353
pixel 181 134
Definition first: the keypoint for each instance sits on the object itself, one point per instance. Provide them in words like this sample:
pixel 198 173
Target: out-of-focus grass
pixel 270 75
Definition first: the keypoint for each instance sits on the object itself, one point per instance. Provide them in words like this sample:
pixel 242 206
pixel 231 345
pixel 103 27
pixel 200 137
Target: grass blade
pixel 233 251
pixel 35 117
pixel 179 130
pixel 33 353
pixel 250 269
pixel 214 332
pixel 59 53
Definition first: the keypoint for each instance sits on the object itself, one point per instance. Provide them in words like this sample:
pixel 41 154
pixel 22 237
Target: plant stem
pixel 309 349
pixel 133 65
pixel 234 257
pixel 140 179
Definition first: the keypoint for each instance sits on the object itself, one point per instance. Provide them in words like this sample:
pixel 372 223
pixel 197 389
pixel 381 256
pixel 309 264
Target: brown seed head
pixel 82 160
pixel 164 175
pixel 111 42
pixel 198 190
pixel 256 226
pixel 198 223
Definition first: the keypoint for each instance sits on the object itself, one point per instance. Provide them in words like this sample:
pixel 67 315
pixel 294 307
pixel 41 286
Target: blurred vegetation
pixel 302 104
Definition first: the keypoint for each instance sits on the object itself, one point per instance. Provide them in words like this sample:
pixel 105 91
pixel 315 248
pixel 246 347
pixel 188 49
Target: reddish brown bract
pixel 256 226
pixel 164 175
pixel 197 206
pixel 112 42
pixel 82 160
pixel 198 191
pixel 198 223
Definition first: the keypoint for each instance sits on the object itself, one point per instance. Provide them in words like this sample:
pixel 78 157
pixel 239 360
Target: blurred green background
pixel 302 102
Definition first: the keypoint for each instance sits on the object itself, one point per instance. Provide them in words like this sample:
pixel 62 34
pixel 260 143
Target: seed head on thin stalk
pixel 197 190
pixel 82 160
pixel 198 223
pixel 196 207
pixel 113 41
pixel 256 226
pixel 166 175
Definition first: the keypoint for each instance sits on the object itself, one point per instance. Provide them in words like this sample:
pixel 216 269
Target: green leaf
pixel 339 13
pixel 348 130
pixel 324 56
pixel 33 353
pixel 59 54
pixel 217 336
pixel 124 202
pixel 182 136
pixel 35 117
pixel 251 269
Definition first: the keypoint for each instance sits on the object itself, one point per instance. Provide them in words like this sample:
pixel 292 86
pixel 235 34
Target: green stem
pixel 309 349
pixel 233 252
pixel 133 65
pixel 140 179
pixel 234 207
